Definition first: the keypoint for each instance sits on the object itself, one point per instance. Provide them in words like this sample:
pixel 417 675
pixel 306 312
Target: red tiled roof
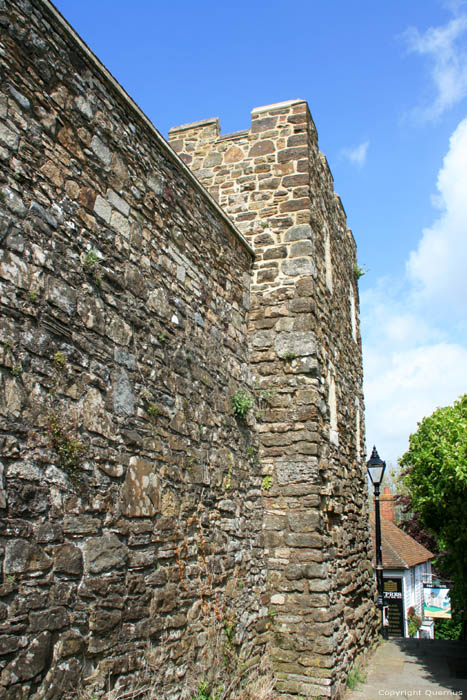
pixel 400 551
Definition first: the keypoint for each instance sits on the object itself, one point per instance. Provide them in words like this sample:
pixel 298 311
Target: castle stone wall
pixel 306 362
pixel 130 495
pixel 148 533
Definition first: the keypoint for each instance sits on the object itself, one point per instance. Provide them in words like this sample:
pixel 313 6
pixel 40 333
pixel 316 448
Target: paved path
pixel 411 668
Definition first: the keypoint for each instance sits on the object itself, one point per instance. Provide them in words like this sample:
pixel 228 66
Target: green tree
pixel 435 476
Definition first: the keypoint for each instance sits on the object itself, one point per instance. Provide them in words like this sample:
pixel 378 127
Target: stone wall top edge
pixel 234 135
pixel 195 125
pixel 277 105
pixel 48 7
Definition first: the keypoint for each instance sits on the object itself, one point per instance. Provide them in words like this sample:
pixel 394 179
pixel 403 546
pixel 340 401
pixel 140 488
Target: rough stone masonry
pixel 306 361
pixel 147 528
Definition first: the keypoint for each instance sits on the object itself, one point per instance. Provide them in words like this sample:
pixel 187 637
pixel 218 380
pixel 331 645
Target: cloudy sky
pixel 387 86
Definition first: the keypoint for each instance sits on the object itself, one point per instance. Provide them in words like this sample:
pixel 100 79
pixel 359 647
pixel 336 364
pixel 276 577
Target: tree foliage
pixel 435 479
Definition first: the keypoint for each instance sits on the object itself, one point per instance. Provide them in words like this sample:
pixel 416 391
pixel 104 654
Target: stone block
pixel 263 124
pixel 52 619
pixel 295 205
pixel 294 539
pixel 68 559
pixel 262 148
pixel 116 201
pixel 101 150
pixel 303 521
pixel 75 525
pixel 29 662
pixel 141 491
pixel 120 223
pixel 288 154
pixel 123 397
pixel 233 155
pixel 104 553
pixel 298 267
pixel 8 137
pixel 21 556
pixel 296 344
pixel 275 252
pixel 301 248
pixel 102 208
pixel 299 232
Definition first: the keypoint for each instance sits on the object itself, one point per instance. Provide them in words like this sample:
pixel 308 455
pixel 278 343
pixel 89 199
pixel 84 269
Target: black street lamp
pixel 376 467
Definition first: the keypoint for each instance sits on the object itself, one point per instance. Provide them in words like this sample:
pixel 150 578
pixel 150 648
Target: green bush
pixel 242 403
pixel 449 629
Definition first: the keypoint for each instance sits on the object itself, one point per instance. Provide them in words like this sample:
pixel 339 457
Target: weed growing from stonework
pixel 242 403
pixel 68 449
pixel 228 479
pixel 33 295
pixel 17 369
pixel 152 410
pixel 59 360
pixel 190 462
pixel 230 625
pixel 204 693
pixel 92 266
pixel 252 456
pixel 289 356
pixel 267 483
pixel 355 677
pixel 91 260
pixel 358 271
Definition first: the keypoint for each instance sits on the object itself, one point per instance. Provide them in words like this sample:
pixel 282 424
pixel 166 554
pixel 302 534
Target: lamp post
pixel 375 467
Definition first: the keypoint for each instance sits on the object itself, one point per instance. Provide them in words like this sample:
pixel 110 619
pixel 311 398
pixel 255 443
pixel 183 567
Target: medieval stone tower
pixel 152 537
pixel 305 359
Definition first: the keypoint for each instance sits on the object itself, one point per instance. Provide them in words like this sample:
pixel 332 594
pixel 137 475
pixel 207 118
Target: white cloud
pixel 357 155
pixel 415 349
pixel 403 387
pixel 445 46
pixel 438 268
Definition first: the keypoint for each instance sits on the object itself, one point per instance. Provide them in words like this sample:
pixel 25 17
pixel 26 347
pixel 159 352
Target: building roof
pixel 400 551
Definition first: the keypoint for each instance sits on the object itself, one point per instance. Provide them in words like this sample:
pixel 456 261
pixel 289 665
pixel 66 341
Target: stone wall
pixel 130 494
pixel 306 361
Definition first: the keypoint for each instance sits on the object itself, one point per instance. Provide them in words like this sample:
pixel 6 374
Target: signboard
pixel 392 598
pixel 436 601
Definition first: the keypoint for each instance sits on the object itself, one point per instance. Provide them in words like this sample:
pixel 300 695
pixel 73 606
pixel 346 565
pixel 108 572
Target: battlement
pixel 266 178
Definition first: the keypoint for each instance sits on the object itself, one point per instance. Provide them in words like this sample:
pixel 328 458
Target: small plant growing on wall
pixel 59 360
pixel 242 403
pixel 355 677
pixel 92 266
pixel 252 455
pixel 358 271
pixel 152 410
pixel 228 478
pixel 267 483
pixel 91 260
pixel 69 450
pixel 17 369
pixel 204 693
pixel 289 356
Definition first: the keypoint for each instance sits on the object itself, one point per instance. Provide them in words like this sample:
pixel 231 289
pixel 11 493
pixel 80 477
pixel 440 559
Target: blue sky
pixel 387 87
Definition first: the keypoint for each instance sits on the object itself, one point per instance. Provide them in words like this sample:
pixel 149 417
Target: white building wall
pixel 412 589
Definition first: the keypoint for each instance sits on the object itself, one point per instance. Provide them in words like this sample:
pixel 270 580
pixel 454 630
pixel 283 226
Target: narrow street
pixel 411 668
